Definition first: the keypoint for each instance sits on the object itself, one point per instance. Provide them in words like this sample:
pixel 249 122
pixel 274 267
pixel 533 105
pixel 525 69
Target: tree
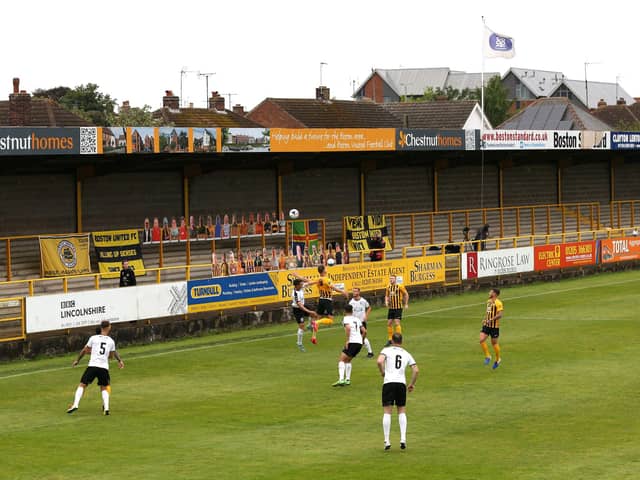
pixel 496 101
pixel 55 93
pixel 432 94
pixel 87 102
pixel 134 117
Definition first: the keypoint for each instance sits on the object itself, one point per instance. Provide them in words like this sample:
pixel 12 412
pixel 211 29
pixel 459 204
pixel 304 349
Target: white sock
pixel 348 371
pixel 76 400
pixel 341 368
pixel 367 345
pixel 300 333
pixel 105 399
pixel 402 419
pixel 386 427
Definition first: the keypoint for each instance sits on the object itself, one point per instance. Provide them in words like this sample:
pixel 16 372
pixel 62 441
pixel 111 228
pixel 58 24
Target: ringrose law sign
pixel 102 140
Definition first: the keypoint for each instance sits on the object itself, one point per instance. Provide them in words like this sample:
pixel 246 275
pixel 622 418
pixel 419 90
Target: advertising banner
pixel 551 257
pixel 263 288
pixel 64 255
pixel 232 292
pixel 39 141
pixel 421 139
pixel 620 250
pixel 332 139
pixel 491 263
pixel 532 139
pixel 625 140
pixel 593 140
pixel 82 309
pixel 114 247
pixel 361 231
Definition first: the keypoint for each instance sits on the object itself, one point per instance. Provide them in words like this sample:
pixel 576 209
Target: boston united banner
pixel 64 255
pixel 114 247
pixel 361 231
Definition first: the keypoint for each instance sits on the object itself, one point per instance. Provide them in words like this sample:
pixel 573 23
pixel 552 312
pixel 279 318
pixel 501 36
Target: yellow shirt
pixel 324 287
pixel 395 293
pixel 493 308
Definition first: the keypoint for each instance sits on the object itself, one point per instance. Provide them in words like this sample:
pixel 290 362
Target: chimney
pixel 125 108
pixel 602 103
pixel 216 102
pixel 19 106
pixel 621 101
pixel 170 100
pixel 238 109
pixel 322 93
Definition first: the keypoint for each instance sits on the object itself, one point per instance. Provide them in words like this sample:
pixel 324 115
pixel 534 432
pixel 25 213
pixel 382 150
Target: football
pixel 331 262
pixel 294 213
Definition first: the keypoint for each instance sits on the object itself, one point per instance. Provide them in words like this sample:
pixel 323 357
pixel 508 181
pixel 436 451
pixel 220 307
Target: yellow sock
pixel 496 348
pixel 389 331
pixel 485 349
pixel 398 328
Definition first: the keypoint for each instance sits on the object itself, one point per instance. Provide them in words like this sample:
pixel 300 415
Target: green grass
pixel 248 405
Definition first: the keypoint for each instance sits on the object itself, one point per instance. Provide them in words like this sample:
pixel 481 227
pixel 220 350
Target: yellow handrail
pixel 21 319
pixel 529 240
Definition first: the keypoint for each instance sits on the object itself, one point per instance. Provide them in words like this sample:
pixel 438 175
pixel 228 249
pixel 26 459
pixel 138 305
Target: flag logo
pixel 497 45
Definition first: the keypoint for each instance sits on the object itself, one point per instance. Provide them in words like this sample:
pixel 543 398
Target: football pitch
pixel 249 405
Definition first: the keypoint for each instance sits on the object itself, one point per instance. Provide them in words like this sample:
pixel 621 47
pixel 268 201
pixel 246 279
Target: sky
pixel 136 49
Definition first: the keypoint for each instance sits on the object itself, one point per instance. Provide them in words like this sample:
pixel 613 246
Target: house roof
pixel 312 113
pixel 438 114
pixel 556 113
pixel 542 83
pixel 414 81
pixel 45 113
pixel 203 117
pixel 617 115
pixel 607 91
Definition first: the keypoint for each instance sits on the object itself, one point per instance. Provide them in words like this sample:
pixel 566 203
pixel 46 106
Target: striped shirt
pixel 324 287
pixel 395 293
pixel 493 308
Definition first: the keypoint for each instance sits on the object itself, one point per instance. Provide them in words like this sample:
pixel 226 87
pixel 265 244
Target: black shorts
pixel 491 331
pixel 352 349
pixel 364 324
pixel 394 313
pixel 325 307
pixel 394 394
pixel 102 374
pixel 299 314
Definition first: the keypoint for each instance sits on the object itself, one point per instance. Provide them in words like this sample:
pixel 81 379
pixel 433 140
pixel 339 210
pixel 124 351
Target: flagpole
pixel 484 26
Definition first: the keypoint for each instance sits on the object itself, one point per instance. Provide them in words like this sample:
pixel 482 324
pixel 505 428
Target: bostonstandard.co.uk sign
pixel 39 141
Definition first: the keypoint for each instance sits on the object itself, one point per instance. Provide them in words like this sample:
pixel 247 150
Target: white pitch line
pixel 253 340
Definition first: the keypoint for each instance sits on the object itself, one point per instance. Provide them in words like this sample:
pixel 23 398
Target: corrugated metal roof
pixel 414 81
pixel 462 80
pixel 598 90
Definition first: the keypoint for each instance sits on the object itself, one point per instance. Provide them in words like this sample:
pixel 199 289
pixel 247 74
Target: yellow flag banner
pixel 116 246
pixel 64 255
pixel 363 233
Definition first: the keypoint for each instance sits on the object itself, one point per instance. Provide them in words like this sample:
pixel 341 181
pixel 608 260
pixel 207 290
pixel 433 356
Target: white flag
pixel 496 45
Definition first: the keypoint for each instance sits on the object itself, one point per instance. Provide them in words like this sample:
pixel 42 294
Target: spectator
pixel 201 229
pixel 481 235
pixel 338 254
pixel 146 232
pixel 166 231
pixel 175 231
pixel 127 276
pixel 156 232
pixel 183 231
pixel 193 230
pixel 467 245
pixel 211 231
pixel 376 247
